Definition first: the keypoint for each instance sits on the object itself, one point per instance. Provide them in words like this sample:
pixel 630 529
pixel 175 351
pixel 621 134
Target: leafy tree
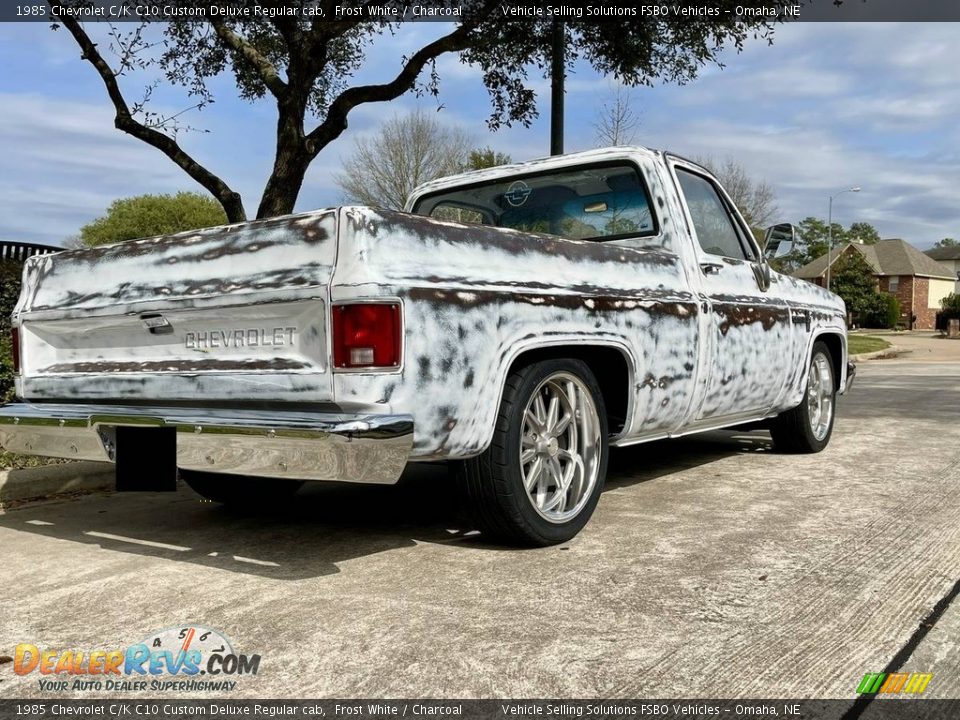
pixel 862 232
pixel 811 243
pixel 406 151
pixel 946 242
pixel 950 305
pixel 486 157
pixel 853 280
pixel 816 236
pixel 813 239
pixel 306 67
pixel 147 215
pixel 754 198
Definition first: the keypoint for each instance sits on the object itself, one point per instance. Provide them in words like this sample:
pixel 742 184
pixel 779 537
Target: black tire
pixel 239 490
pixel 491 485
pixel 792 431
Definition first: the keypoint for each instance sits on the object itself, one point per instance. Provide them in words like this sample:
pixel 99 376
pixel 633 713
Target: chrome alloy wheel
pixel 820 396
pixel 560 447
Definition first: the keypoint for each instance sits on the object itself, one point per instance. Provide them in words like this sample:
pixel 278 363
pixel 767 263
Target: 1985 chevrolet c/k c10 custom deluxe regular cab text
pixel 518 320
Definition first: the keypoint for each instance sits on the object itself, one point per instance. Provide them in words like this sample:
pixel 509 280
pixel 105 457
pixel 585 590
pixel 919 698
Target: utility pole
pixel 557 73
pixel 830 230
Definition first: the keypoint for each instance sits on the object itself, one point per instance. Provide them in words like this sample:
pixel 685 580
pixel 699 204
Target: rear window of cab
pixel 604 202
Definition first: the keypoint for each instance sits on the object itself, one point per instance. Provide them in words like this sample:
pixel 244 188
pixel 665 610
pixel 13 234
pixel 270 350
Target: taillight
pixel 366 335
pixel 15 338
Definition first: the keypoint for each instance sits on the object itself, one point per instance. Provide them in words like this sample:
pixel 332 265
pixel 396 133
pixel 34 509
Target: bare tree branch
pixel 754 198
pixel 617 122
pixel 406 151
pixel 336 121
pixel 124 120
pixel 265 69
pixel 318 61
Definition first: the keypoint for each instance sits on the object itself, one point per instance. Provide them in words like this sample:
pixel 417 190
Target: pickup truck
pixel 515 321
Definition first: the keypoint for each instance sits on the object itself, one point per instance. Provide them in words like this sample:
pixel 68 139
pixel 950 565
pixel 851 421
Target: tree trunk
pixel 291 162
pixel 232 205
pixel 283 187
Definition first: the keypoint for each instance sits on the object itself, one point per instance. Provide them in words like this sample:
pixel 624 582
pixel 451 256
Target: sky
pixel 826 107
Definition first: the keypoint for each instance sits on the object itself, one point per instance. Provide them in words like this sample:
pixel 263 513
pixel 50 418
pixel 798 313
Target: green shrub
pixel 951 306
pixel 9 292
pixel 6 369
pixel 893 310
pixel 881 311
pixel 149 215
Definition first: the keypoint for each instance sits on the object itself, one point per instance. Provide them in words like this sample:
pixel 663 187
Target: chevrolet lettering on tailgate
pixel 251 337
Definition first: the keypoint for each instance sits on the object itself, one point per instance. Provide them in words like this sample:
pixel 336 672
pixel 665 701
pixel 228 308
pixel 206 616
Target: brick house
pixel 918 281
pixel 949 256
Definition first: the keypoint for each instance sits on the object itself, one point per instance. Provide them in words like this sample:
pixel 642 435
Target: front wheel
pixel 239 489
pixel 807 427
pixel 540 479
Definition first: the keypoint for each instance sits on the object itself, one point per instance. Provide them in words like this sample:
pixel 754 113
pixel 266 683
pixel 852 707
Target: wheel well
pixel 609 367
pixel 834 344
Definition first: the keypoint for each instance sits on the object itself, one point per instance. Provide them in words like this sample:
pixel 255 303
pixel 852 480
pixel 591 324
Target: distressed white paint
pixel 474 299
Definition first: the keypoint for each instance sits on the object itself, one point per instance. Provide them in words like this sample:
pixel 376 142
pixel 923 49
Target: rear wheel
pixel 541 478
pixel 239 489
pixel 807 427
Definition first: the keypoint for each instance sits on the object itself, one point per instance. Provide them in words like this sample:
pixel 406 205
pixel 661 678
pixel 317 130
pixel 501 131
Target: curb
pixel 889 352
pixel 38 482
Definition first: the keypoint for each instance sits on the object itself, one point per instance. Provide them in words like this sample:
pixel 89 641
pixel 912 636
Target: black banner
pixel 455 10
pixel 226 709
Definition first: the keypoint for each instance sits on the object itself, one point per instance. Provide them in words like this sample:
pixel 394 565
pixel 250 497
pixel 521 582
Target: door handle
pixel 711 268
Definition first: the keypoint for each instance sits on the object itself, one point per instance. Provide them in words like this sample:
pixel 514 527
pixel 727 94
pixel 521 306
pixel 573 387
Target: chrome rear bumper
pixel 280 444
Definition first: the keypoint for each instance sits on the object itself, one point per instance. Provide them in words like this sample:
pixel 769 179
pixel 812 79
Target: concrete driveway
pixel 713 567
pixel 921 345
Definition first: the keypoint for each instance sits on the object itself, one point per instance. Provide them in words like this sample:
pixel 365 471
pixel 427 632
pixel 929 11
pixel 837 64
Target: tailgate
pixel 234 313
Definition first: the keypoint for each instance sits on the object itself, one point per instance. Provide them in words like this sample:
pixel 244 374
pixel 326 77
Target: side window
pixel 711 221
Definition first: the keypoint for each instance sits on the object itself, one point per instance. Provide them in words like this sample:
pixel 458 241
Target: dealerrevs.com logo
pixel 184 658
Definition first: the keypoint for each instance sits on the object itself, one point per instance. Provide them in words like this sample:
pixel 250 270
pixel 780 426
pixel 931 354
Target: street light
pixel 830 230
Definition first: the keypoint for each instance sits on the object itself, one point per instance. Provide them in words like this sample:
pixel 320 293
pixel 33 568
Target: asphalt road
pixel 713 567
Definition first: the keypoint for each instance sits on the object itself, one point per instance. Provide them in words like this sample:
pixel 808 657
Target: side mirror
pixel 779 240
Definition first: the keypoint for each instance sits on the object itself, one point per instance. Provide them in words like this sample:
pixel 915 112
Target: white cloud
pixel 910 197
pixel 828 105
pixel 63 162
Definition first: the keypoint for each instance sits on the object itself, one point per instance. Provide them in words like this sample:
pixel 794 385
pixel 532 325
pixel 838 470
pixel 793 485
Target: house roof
pixel 951 252
pixel 887 257
pixel 818 267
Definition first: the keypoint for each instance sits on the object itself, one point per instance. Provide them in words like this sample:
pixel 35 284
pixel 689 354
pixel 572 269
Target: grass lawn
pixel 857 344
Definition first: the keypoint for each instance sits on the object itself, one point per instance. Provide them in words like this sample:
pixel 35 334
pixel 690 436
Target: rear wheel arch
pixel 611 364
